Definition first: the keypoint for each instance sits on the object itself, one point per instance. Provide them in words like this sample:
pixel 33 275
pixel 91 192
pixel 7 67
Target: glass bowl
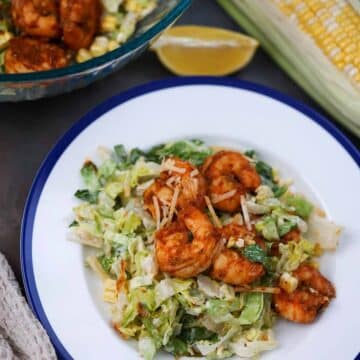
pixel 17 87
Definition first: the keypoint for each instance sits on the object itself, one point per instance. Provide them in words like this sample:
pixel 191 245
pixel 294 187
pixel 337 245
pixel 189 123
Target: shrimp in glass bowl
pixel 36 17
pixel 121 35
pixel 79 22
pixel 30 54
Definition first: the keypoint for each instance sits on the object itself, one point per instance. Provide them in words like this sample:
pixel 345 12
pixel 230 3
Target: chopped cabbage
pixel 169 287
pixel 187 316
pixel 212 288
pixel 323 232
pixel 244 348
pixel 147 348
pixel 293 254
pixel 254 305
pixel 301 206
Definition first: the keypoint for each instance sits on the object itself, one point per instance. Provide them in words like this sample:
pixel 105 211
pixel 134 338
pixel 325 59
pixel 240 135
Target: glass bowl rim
pixel 124 49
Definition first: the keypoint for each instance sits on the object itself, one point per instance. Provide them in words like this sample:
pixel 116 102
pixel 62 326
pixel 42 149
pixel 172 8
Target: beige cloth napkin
pixel 21 335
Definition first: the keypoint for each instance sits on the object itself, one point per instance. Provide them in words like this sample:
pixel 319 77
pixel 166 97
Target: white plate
pixel 324 164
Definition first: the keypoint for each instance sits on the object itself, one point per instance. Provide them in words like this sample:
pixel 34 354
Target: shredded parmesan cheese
pixel 173 204
pixel 194 173
pixel 140 189
pixel 216 198
pixel 165 211
pixel 258 289
pixel 212 212
pixel 245 212
pixel 173 179
pixel 157 211
pixel 169 165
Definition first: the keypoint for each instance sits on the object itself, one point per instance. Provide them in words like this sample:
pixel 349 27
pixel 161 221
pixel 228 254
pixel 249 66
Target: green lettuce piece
pixel 107 169
pixel 256 254
pixel 134 156
pixel 113 189
pixel 73 223
pixel 147 348
pixel 139 300
pixel 86 195
pixel 106 262
pixel 267 319
pixel 160 324
pixel 192 301
pixel 143 170
pixel 196 333
pixel 302 207
pixel 266 173
pixel 263 340
pixel 120 153
pixel 177 347
pixel 130 313
pixel 254 305
pixel 127 222
pixel 105 205
pixel 267 227
pixel 210 348
pixel 293 254
pixel 220 310
pixel 212 288
pixel 191 150
pixel 118 242
pixel 169 287
pixel 286 225
pixel 90 176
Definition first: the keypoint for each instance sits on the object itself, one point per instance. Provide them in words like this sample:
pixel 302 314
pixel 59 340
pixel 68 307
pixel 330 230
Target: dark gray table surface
pixel 28 130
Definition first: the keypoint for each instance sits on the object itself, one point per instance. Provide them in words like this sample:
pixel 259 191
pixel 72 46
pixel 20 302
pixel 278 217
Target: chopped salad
pixel 192 309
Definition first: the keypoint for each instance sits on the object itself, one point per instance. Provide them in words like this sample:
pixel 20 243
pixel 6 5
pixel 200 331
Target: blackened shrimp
pixel 232 267
pixel 27 55
pixel 79 21
pixel 178 177
pixel 187 246
pixel 312 294
pixel 230 175
pixel 36 17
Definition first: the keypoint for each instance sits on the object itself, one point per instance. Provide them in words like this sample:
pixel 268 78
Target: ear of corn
pixel 317 42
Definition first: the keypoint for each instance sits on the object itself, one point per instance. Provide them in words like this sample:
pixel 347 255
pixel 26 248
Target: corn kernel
pixel 288 282
pixel 112 45
pixel 99 46
pixel 108 23
pixel 340 64
pixel 83 55
pixel 350 48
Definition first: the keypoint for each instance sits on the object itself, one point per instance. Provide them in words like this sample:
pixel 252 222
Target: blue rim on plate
pixel 75 130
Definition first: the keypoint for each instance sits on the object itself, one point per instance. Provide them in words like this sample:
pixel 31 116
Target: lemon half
pixel 201 50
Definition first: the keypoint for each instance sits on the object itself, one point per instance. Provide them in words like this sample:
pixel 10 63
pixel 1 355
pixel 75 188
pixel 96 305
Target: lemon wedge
pixel 201 50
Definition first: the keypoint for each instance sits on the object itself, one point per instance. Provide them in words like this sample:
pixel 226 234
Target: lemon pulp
pixel 201 50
